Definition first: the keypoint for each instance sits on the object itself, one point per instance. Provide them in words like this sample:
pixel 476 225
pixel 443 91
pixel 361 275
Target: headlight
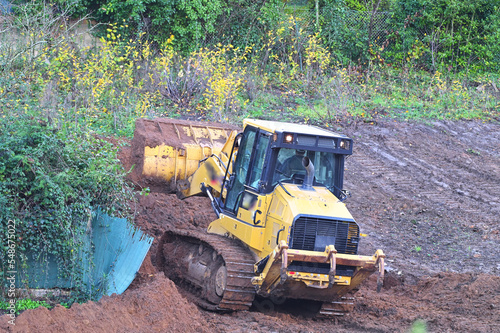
pixel 345 144
pixel 288 138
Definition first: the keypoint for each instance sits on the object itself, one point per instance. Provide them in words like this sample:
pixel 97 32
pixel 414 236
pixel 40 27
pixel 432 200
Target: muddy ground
pixel 427 194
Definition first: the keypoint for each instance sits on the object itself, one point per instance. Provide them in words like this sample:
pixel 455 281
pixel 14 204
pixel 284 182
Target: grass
pixel 27 303
pixel 23 304
pixel 433 96
pixel 422 100
pixel 419 326
pixel 426 96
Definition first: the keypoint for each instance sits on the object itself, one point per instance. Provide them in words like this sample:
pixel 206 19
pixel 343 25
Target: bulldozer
pixel 282 227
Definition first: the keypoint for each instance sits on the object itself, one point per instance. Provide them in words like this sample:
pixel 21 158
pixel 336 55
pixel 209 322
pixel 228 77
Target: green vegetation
pixel 419 326
pixel 289 68
pixel 51 181
pixel 463 35
pixel 215 60
pixel 24 304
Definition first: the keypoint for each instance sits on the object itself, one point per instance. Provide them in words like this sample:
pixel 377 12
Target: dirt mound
pixel 158 212
pixel 155 307
pixel 447 302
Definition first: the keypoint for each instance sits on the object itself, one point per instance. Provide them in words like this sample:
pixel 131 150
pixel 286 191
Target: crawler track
pixel 239 292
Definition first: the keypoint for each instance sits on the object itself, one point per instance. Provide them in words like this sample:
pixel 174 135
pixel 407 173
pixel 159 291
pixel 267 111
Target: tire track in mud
pixel 469 182
pixel 429 196
pixel 481 144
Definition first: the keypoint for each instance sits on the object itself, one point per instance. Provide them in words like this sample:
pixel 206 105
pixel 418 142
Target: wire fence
pixel 377 24
pixel 347 33
pixel 354 36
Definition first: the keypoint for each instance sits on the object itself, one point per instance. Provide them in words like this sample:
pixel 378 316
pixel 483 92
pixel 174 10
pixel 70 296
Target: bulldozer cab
pixel 268 156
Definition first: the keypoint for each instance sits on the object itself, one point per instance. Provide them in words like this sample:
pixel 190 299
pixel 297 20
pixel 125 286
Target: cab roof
pixel 280 127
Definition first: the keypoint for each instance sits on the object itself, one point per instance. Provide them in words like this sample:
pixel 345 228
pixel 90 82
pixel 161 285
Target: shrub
pixel 457 34
pixel 50 182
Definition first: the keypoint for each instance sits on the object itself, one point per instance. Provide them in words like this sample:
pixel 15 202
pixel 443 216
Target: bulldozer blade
pixel 167 151
pixel 277 279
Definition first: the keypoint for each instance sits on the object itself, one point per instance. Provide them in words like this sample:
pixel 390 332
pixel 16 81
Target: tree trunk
pixel 370 25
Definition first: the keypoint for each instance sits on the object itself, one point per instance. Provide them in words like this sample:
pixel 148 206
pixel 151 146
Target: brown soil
pixel 154 307
pixel 427 194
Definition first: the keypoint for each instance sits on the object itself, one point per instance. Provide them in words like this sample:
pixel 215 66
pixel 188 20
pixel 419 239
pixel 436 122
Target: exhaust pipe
pixel 309 166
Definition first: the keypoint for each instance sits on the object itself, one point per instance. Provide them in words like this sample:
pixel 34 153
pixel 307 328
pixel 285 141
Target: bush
pixel 459 35
pixel 193 23
pixel 50 182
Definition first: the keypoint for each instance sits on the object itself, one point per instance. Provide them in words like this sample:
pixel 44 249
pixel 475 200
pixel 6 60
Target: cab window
pixel 289 167
pixel 241 167
pixel 258 161
pixel 249 166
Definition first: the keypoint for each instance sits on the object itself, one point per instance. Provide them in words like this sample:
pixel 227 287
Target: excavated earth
pixel 427 194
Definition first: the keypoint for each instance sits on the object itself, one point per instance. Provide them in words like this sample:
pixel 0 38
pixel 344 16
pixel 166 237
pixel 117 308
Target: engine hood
pixel 316 202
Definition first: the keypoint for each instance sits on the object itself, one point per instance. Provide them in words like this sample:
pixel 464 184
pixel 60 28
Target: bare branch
pixel 33 28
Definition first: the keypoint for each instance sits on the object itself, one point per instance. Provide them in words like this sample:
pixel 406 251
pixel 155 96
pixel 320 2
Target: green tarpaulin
pixel 113 254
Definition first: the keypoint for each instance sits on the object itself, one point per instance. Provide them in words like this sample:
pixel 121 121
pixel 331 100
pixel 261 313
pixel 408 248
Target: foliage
pixel 98 88
pixel 282 50
pixel 107 87
pixel 198 18
pixel 179 80
pixel 428 95
pixel 51 180
pixel 347 43
pixel 224 80
pixel 463 35
pixel 211 79
pixel 455 34
pixel 34 26
pixel 317 58
pixel 24 304
pixel 246 22
pixel 291 54
pixel 189 21
pixel 368 5
pixel 340 94
pixel 138 16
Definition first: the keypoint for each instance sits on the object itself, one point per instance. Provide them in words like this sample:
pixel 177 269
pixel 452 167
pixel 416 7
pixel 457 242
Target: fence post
pixel 317 14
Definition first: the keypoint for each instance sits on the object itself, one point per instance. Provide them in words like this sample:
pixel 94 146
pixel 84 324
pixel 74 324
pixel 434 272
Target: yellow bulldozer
pixel 282 229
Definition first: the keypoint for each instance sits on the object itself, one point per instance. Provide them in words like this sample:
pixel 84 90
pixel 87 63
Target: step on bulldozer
pixel 282 228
